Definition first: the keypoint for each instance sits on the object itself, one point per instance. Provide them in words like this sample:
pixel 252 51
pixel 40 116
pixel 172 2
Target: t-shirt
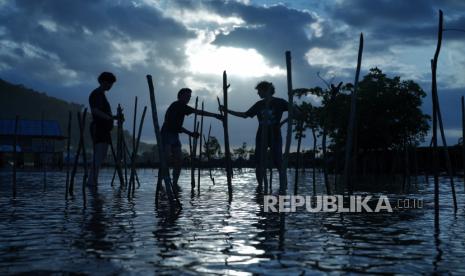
pixel 98 100
pixel 274 113
pixel 174 117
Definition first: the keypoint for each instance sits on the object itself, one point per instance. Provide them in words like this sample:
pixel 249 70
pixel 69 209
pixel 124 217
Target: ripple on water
pixel 41 232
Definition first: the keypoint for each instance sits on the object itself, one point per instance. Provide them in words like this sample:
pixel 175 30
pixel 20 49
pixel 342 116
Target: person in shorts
pixel 173 126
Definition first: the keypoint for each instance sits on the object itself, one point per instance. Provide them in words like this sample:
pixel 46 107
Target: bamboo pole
pixel 227 152
pixel 463 139
pixel 283 175
pixel 207 151
pixel 133 140
pixel 15 157
pixel 200 149
pixel 444 143
pixel 133 177
pixel 82 124
pixel 435 120
pixel 118 168
pixel 194 146
pixel 314 162
pixel 68 146
pixel 347 183
pixel 81 142
pixel 299 142
pixel 325 163
pixel 119 143
pixel 163 171
pixel 438 111
pixel 76 161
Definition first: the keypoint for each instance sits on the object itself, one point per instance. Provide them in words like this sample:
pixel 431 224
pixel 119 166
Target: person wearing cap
pixel 102 123
pixel 173 126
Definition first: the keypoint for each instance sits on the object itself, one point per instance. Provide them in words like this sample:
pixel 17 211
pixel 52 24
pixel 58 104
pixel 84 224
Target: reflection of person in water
pixel 172 126
pixel 102 123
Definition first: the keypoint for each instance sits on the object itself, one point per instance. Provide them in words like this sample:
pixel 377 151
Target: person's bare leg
pixel 177 160
pixel 100 152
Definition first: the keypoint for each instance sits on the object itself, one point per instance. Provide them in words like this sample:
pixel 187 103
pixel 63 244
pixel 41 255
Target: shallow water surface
pixel 41 232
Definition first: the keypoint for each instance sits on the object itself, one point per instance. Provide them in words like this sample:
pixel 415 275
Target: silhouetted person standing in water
pixel 172 126
pixel 271 117
pixel 102 123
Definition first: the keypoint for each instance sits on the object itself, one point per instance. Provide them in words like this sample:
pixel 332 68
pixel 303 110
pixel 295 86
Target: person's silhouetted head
pixel 184 95
pixel 264 87
pixel 106 80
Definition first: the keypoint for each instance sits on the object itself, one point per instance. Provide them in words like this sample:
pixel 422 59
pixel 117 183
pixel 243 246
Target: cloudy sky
pixel 61 46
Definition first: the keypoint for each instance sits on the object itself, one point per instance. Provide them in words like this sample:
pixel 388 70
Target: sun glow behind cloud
pixel 206 58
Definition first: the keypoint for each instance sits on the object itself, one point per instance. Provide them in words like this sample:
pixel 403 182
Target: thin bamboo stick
pixel 444 143
pixel 347 183
pixel 194 146
pixel 299 142
pixel 76 160
pixel 463 139
pixel 164 172
pixel 283 175
pixel 118 168
pixel 227 152
pixel 82 123
pixel 200 150
pixel 207 151
pixel 133 140
pixel 435 121
pixel 68 146
pixel 134 153
pixel 314 161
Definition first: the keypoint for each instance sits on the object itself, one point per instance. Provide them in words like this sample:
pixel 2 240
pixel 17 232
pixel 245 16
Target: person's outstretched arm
pixel 208 114
pixel 235 113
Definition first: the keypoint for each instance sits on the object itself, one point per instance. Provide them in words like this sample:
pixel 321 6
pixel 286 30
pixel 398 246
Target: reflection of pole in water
pixel 44 150
pixel 68 145
pixel 15 157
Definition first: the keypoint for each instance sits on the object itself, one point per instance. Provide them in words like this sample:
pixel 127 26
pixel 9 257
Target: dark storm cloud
pixel 85 30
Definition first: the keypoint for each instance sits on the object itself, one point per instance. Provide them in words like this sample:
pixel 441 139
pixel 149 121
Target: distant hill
pixel 29 104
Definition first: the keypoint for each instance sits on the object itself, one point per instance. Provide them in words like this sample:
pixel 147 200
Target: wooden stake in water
pixel 346 180
pixel 444 143
pixel 134 154
pixel 207 151
pixel 163 165
pixel 463 139
pixel 15 157
pixel 200 150
pixel 133 139
pixel 297 163
pixel 76 160
pixel 290 93
pixel 68 146
pixel 194 146
pixel 227 152
pixel 435 120
pixel 82 124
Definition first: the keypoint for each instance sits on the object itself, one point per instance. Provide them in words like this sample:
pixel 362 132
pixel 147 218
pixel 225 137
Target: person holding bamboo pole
pixel 269 118
pixel 172 126
pixel 102 123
